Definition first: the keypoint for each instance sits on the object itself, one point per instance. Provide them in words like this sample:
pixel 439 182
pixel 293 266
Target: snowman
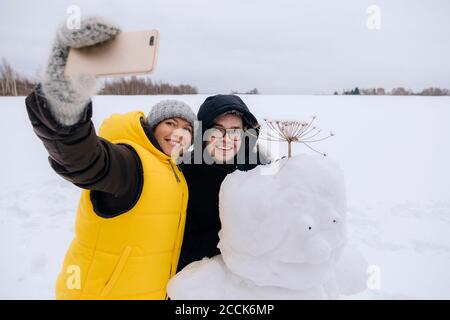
pixel 283 236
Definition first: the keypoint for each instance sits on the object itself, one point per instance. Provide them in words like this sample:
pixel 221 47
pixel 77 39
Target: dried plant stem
pixel 293 131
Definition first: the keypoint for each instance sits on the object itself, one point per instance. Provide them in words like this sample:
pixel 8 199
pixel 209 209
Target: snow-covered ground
pixel 394 151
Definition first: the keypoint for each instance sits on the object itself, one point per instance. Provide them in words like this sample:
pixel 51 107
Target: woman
pixel 131 215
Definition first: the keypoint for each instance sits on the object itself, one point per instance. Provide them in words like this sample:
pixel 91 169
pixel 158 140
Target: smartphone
pixel 128 53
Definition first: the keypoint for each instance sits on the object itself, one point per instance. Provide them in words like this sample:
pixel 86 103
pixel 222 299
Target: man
pixel 228 137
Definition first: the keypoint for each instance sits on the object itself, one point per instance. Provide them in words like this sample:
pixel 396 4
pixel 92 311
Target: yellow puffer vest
pixel 133 255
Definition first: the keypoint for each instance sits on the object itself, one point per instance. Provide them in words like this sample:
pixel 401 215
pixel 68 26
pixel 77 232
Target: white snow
pixel 394 152
pixel 283 231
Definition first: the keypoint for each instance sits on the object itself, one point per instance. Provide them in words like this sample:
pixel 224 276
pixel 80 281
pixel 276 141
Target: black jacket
pixel 202 217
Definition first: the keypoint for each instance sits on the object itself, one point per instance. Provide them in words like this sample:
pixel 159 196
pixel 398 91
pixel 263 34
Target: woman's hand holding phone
pixel 68 97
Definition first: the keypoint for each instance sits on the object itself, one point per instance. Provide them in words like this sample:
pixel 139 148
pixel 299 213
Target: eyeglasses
pixel 219 133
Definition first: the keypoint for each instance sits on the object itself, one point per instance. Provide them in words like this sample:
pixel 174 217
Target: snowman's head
pixel 286 228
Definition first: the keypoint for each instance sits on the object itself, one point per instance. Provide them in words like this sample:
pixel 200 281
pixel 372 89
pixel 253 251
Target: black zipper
pixel 174 172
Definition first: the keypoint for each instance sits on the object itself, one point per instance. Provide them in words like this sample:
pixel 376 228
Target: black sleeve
pixel 78 155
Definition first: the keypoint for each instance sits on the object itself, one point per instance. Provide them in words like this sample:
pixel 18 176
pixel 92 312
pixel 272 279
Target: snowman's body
pixel 283 237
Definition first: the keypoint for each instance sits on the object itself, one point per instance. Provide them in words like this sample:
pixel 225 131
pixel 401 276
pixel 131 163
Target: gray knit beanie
pixel 166 109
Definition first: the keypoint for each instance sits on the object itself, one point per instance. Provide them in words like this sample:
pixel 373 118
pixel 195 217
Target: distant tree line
pixel 253 91
pixel 144 86
pixel 13 84
pixel 399 91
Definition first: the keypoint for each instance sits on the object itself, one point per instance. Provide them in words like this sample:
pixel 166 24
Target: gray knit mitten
pixel 68 98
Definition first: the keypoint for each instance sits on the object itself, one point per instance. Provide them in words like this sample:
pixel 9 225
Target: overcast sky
pixel 279 47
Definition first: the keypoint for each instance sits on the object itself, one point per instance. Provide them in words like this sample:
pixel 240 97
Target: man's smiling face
pixel 223 148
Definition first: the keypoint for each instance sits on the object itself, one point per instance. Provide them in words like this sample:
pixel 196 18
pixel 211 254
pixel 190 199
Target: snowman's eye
pixel 306 224
pixel 334 221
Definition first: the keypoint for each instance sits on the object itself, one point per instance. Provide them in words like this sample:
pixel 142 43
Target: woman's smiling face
pixel 174 135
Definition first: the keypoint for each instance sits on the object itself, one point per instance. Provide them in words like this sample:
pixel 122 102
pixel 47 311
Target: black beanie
pixel 217 105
